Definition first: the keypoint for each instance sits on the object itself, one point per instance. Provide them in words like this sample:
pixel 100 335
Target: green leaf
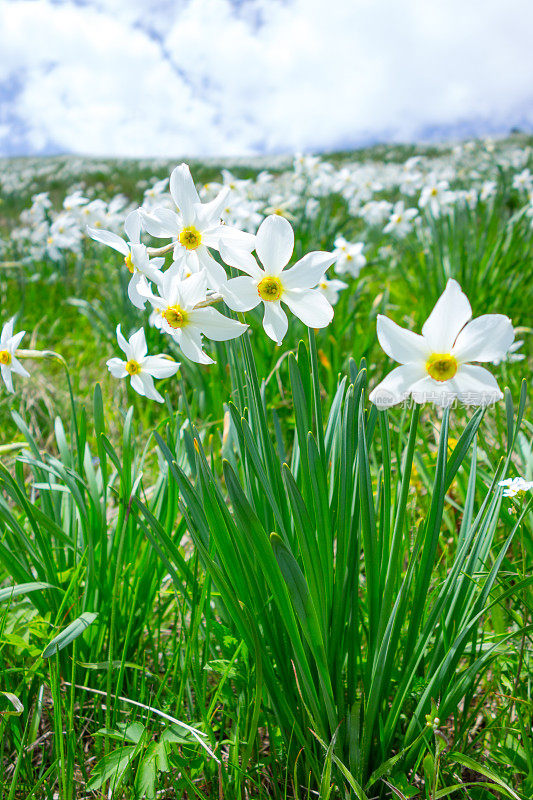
pixel 23 588
pixel 70 633
pixel 15 702
pixel 112 767
pixel 466 761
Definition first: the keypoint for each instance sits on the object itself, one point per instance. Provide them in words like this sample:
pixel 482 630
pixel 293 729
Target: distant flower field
pixel 266 476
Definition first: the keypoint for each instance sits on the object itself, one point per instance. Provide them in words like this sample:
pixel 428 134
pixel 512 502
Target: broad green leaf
pixel 70 633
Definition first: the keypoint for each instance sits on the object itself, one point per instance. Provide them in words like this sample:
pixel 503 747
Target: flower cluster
pixel 182 295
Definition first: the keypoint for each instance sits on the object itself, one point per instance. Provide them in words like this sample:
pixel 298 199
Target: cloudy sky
pixel 225 77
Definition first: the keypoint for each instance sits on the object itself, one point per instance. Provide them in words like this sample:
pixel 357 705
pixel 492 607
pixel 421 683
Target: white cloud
pixel 126 77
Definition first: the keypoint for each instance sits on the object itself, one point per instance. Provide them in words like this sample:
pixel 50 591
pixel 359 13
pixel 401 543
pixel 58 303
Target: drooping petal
pixel 117 367
pixel 485 338
pixel 428 390
pixel 309 305
pixel 149 389
pixel 190 343
pixel 184 192
pixel 109 238
pixel 476 386
pixel 401 344
pixel 308 271
pixel 17 368
pixel 240 294
pixel 160 366
pixel 136 297
pixel 215 272
pixel 396 386
pixel 450 313
pixel 6 377
pixel 132 226
pixel 275 321
pixel 138 385
pixel 274 243
pixel 215 325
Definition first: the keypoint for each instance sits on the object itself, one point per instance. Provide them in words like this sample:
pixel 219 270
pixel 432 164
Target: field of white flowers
pixel 266 473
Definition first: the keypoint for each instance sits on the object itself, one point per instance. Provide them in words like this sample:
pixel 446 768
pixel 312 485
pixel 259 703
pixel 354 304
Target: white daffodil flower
pixel 435 367
pixel 272 286
pixel 141 368
pixel 196 227
pixel 8 361
pixel 177 304
pixel 135 255
pixel 401 220
pixel 349 257
pixel 331 289
pixel 515 486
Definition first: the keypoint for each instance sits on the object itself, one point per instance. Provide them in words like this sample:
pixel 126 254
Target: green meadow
pixel 266 586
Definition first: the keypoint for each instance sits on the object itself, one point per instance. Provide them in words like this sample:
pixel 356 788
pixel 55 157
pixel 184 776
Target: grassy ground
pixel 91 523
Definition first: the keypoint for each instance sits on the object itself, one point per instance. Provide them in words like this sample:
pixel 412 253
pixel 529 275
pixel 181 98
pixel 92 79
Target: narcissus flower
pixel 349 257
pixel 180 317
pixel 271 285
pixel 196 227
pixel 331 289
pixel 141 367
pixel 135 254
pixel 435 367
pixel 515 486
pixel 8 361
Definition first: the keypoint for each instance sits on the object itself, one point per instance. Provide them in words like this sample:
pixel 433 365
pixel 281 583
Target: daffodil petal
pixel 310 306
pixel 275 322
pixel 215 325
pixel 485 338
pixel 184 192
pixel 396 386
pixel 401 344
pixel 308 271
pixel 240 294
pixel 450 314
pixel 275 243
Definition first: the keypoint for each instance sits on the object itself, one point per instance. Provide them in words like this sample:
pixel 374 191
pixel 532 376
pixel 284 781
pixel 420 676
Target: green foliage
pixel 266 587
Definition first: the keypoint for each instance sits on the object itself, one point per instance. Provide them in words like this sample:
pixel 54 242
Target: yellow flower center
pixel 175 316
pixel 5 357
pixel 129 263
pixel 270 288
pixel 441 366
pixel 133 367
pixel 191 238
